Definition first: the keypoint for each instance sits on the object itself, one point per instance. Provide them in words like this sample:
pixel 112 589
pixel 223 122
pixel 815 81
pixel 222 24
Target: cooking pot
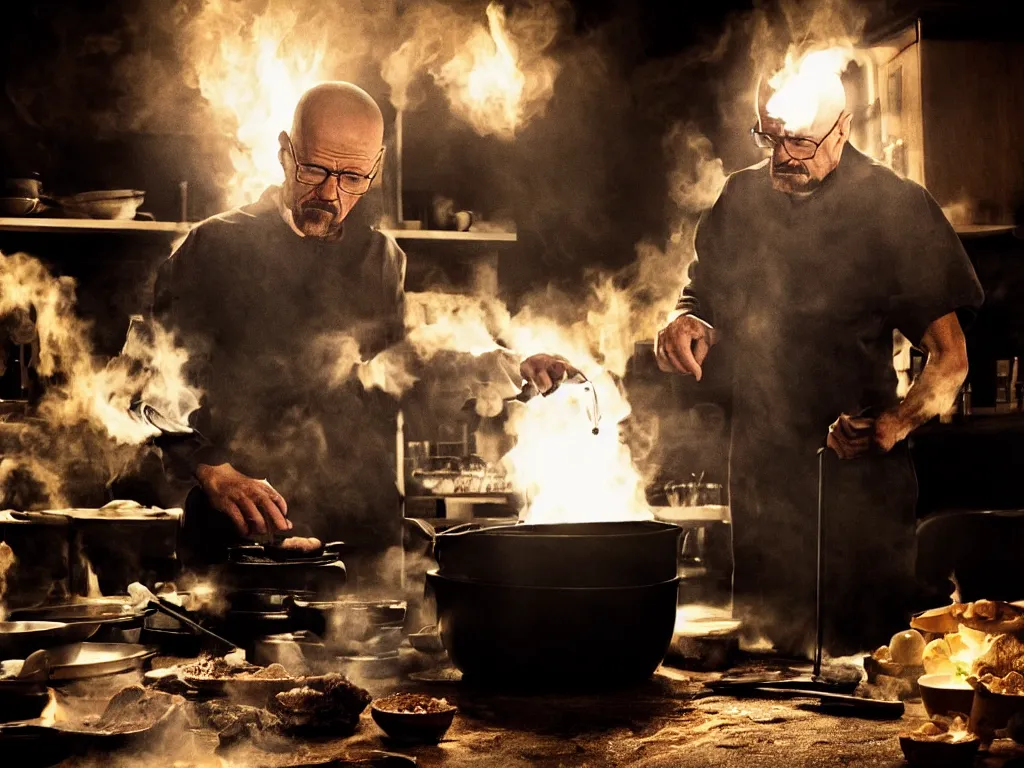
pixel 606 554
pixel 552 637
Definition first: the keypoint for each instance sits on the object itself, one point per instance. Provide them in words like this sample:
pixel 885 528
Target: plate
pixel 85 660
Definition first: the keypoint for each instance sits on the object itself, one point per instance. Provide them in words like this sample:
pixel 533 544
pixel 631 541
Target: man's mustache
pixel 790 169
pixel 319 205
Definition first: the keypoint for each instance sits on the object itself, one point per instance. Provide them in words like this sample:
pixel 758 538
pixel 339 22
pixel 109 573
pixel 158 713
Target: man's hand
pixel 851 436
pixel 546 372
pixel 682 346
pixel 251 504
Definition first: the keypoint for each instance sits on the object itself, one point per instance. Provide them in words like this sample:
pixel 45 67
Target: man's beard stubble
pixel 793 177
pixel 317 218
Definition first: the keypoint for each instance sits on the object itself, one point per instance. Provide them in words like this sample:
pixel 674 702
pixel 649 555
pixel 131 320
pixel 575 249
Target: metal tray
pixel 85 660
pixel 100 613
pixel 21 637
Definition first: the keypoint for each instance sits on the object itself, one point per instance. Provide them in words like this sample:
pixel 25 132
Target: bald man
pixel 262 296
pixel 806 265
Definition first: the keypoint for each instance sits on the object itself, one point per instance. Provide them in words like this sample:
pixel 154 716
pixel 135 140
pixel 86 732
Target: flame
pixel 495 80
pixel 7 561
pixel 809 88
pixel 485 83
pixel 568 473
pixel 955 597
pixel 53 712
pixel 252 73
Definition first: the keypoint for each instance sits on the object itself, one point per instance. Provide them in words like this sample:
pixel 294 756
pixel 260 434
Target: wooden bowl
pixel 945 694
pixel 411 727
pixel 990 712
pixel 923 753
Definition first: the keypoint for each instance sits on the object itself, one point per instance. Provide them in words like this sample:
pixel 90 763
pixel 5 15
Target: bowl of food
pixel 946 695
pixel 997 700
pixel 942 743
pixel 413 717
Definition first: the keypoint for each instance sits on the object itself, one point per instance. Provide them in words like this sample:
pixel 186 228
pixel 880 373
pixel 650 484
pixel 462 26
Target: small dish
pixel 413 718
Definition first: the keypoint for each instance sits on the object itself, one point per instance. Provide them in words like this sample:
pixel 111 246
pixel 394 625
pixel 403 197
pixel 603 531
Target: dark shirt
pixel 262 312
pixel 806 292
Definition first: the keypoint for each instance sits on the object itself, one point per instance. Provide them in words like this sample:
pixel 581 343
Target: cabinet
pixel 950 114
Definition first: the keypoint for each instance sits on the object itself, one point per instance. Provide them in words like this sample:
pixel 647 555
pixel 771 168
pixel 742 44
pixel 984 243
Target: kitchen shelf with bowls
pixel 40 224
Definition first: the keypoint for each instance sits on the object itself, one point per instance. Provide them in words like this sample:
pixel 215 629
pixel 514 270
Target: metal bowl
pixel 106 204
pixel 18 638
pixel 18 206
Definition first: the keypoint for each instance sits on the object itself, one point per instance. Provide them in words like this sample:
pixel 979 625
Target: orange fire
pixel 568 473
pixel 253 74
pixel 808 90
pixel 53 712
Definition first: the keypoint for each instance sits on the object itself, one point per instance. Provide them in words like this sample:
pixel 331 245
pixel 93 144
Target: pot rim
pixel 435 574
pixel 651 527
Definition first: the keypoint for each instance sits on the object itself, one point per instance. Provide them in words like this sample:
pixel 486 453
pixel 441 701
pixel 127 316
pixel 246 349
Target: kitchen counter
pixel 667 722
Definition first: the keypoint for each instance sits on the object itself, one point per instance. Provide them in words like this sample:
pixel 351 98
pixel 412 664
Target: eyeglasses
pixel 349 182
pixel 796 147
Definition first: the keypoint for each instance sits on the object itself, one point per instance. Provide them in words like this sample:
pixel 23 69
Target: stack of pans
pixel 559 605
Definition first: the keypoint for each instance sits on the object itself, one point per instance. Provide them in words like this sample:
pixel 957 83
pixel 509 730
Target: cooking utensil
pixel 27 186
pixel 105 614
pixel 528 391
pixel 613 554
pixel 176 613
pixel 353 627
pixel 106 204
pixel 84 660
pixel 19 637
pixel 18 206
pixel 538 637
pixel 840 703
pixel 926 753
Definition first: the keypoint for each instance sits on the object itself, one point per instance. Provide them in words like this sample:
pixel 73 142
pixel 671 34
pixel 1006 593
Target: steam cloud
pixel 82 431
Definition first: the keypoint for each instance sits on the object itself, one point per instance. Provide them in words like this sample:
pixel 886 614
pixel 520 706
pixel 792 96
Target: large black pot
pixel 554 637
pixel 617 554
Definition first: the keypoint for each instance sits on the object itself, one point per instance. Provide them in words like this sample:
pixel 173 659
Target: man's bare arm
pixel 934 392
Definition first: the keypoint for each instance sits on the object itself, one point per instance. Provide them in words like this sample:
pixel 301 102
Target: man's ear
pixel 845 124
pixel 283 145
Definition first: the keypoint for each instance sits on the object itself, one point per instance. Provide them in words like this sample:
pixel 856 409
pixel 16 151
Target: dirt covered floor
pixel 670 722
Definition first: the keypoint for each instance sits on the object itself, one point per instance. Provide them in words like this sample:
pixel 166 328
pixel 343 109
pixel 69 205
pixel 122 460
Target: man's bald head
pixel 341 115
pixel 339 127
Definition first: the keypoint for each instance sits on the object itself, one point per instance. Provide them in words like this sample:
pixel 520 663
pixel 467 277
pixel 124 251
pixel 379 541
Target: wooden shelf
pixel 39 224
pixel 450 236
pixel 31 224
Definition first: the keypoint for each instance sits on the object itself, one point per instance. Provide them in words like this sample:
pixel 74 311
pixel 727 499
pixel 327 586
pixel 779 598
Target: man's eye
pixel 354 178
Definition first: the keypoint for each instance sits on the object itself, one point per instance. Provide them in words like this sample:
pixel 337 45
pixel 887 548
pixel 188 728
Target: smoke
pixel 497 77
pixel 82 433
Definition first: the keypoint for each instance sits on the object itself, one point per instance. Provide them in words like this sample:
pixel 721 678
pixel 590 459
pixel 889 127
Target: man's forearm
pixel 932 394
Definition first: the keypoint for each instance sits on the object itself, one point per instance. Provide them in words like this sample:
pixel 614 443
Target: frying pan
pixel 19 638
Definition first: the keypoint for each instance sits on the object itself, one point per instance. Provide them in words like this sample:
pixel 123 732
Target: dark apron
pixel 869 548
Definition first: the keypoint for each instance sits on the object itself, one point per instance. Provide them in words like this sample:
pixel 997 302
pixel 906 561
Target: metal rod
pixel 819 586
pixel 162 606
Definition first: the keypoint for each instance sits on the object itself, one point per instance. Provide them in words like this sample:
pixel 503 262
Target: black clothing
pixel 263 312
pixel 806 293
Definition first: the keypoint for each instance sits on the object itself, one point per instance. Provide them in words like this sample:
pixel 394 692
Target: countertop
pixel 666 722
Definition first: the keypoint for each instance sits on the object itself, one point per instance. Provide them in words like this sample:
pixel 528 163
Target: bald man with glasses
pixel 805 267
pixel 265 298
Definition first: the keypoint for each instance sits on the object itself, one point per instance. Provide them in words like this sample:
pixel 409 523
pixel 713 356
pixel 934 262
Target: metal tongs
pixel 528 391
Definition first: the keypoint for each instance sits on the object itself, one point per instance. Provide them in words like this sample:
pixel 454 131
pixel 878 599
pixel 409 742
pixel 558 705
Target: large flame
pixel 566 471
pixel 484 81
pixel 252 72
pixel 809 89
pixel 496 78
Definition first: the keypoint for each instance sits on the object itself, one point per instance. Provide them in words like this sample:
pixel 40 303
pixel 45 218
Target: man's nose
pixel 328 189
